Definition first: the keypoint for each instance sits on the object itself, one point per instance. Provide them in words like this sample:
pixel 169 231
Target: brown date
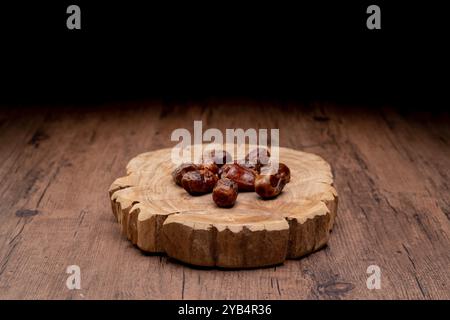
pixel 181 170
pixel 269 184
pixel 225 193
pixel 211 166
pixel 257 158
pixel 285 172
pixel 243 176
pixel 199 182
pixel 218 157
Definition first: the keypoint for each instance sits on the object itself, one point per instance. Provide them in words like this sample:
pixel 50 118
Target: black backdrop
pixel 277 49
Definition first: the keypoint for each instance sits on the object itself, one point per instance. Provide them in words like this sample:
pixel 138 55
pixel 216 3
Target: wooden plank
pixel 391 172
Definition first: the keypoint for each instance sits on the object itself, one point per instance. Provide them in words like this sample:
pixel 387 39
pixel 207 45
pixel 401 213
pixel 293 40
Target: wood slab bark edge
pixel 156 215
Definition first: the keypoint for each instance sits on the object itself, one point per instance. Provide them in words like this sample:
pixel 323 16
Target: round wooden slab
pixel 158 216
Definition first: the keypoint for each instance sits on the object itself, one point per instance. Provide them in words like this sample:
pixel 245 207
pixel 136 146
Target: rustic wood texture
pixel 159 216
pixel 391 170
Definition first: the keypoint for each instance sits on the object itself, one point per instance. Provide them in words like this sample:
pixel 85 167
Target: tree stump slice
pixel 158 216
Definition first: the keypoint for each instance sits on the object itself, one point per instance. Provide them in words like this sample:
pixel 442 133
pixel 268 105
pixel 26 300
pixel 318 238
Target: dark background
pixel 194 49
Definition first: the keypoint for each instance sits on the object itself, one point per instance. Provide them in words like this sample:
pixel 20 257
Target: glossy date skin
pixel 243 176
pixel 211 166
pixel 269 184
pixel 257 158
pixel 285 172
pixel 217 157
pixel 181 170
pixel 184 168
pixel 225 193
pixel 199 182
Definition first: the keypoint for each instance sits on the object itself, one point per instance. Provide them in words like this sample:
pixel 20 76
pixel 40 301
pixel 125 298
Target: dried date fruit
pixel 269 184
pixel 219 157
pixel 181 170
pixel 225 193
pixel 243 176
pixel 257 158
pixel 285 172
pixel 211 166
pixel 199 182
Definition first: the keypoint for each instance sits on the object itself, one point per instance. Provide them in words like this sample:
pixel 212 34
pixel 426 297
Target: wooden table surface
pixel 391 172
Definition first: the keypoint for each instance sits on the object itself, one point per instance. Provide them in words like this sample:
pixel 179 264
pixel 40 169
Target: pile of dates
pixel 216 174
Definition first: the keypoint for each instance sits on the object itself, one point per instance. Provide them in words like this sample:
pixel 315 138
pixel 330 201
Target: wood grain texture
pixel 391 169
pixel 159 216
